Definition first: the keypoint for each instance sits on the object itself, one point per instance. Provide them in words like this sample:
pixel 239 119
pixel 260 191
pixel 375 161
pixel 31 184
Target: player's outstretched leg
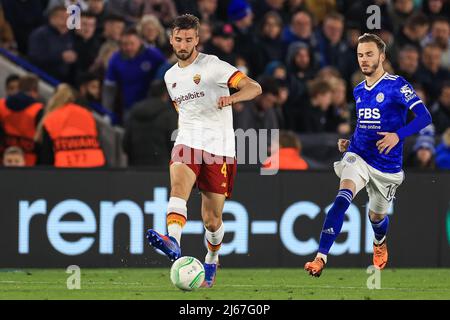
pixel 331 229
pixel 212 207
pixel 214 242
pixel 380 224
pixel 176 219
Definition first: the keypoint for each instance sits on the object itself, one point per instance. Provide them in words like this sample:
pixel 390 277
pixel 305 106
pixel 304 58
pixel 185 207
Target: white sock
pixel 177 207
pixel 323 256
pixel 378 242
pixel 214 239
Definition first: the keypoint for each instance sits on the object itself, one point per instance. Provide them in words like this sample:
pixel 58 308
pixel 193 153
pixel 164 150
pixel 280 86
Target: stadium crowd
pixel 302 52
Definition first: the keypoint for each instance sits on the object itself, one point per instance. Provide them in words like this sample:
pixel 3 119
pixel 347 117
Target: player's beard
pixel 184 55
pixel 371 68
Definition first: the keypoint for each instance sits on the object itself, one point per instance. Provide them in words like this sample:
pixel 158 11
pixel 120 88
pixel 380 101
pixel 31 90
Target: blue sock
pixel 380 228
pixel 334 220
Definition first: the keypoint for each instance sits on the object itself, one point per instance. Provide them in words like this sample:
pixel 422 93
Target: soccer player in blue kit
pixel 373 156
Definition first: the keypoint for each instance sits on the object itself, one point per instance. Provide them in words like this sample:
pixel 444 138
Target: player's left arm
pixel 247 88
pixel 422 119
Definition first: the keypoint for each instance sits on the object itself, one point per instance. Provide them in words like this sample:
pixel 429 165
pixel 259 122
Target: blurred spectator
pixel 340 108
pixel 19 115
pixel 222 43
pixel 441 116
pixel 67 133
pixel 98 8
pixel 87 44
pixel 260 113
pixel 300 29
pixel 436 8
pixel 270 42
pixel 206 11
pixel 82 4
pixel 412 33
pixel 130 72
pixel 332 48
pixel 241 16
pixel 293 6
pixel 51 47
pixel 301 68
pixel 443 151
pixel 149 128
pixel 440 34
pixel 14 157
pixel 12 85
pixel 205 34
pixel 133 10
pixel 315 116
pixel 153 34
pixel 24 17
pixel 399 11
pixel 320 9
pixel 89 88
pixel 277 70
pixel 100 64
pixel 408 63
pixel 113 28
pixel 286 153
pixel 7 40
pixel 261 7
pixel 422 156
pixel 431 74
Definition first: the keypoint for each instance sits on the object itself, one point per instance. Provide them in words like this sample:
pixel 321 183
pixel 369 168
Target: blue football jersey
pixel 382 107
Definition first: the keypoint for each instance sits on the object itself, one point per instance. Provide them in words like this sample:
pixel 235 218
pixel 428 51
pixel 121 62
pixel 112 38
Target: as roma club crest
pixel 197 79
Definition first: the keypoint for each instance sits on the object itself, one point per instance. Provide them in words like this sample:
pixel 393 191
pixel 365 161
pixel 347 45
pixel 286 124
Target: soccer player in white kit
pixel 204 150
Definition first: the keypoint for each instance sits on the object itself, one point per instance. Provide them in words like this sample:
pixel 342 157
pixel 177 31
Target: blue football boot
pixel 210 275
pixel 166 244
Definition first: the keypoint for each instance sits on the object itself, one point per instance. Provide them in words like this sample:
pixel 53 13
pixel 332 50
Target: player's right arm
pixel 247 90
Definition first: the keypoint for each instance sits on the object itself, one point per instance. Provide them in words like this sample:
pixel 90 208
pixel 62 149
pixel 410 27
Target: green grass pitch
pixel 232 284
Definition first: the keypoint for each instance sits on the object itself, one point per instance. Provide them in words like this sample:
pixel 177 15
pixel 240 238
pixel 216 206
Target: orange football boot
pixel 380 255
pixel 315 267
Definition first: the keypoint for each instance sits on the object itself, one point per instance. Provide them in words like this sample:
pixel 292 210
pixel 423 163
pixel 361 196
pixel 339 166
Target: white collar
pixel 374 85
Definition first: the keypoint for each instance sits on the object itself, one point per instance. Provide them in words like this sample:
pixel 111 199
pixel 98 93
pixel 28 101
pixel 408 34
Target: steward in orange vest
pixel 19 115
pixel 71 132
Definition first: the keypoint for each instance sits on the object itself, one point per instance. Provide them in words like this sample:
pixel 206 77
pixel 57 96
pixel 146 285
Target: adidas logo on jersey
pixel 329 231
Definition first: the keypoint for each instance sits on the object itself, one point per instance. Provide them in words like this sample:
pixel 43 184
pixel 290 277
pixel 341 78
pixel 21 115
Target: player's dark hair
pixel 370 37
pixel 186 22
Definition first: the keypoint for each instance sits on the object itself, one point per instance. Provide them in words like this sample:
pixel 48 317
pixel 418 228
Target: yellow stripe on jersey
pixel 235 78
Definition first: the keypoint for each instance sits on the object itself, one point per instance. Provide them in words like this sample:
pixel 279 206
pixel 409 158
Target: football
pixel 187 273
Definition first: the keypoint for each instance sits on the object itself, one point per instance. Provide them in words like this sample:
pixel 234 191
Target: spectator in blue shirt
pixel 130 72
pixel 443 151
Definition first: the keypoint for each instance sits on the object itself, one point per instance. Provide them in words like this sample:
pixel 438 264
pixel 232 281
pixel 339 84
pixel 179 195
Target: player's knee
pixel 375 217
pixel 212 224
